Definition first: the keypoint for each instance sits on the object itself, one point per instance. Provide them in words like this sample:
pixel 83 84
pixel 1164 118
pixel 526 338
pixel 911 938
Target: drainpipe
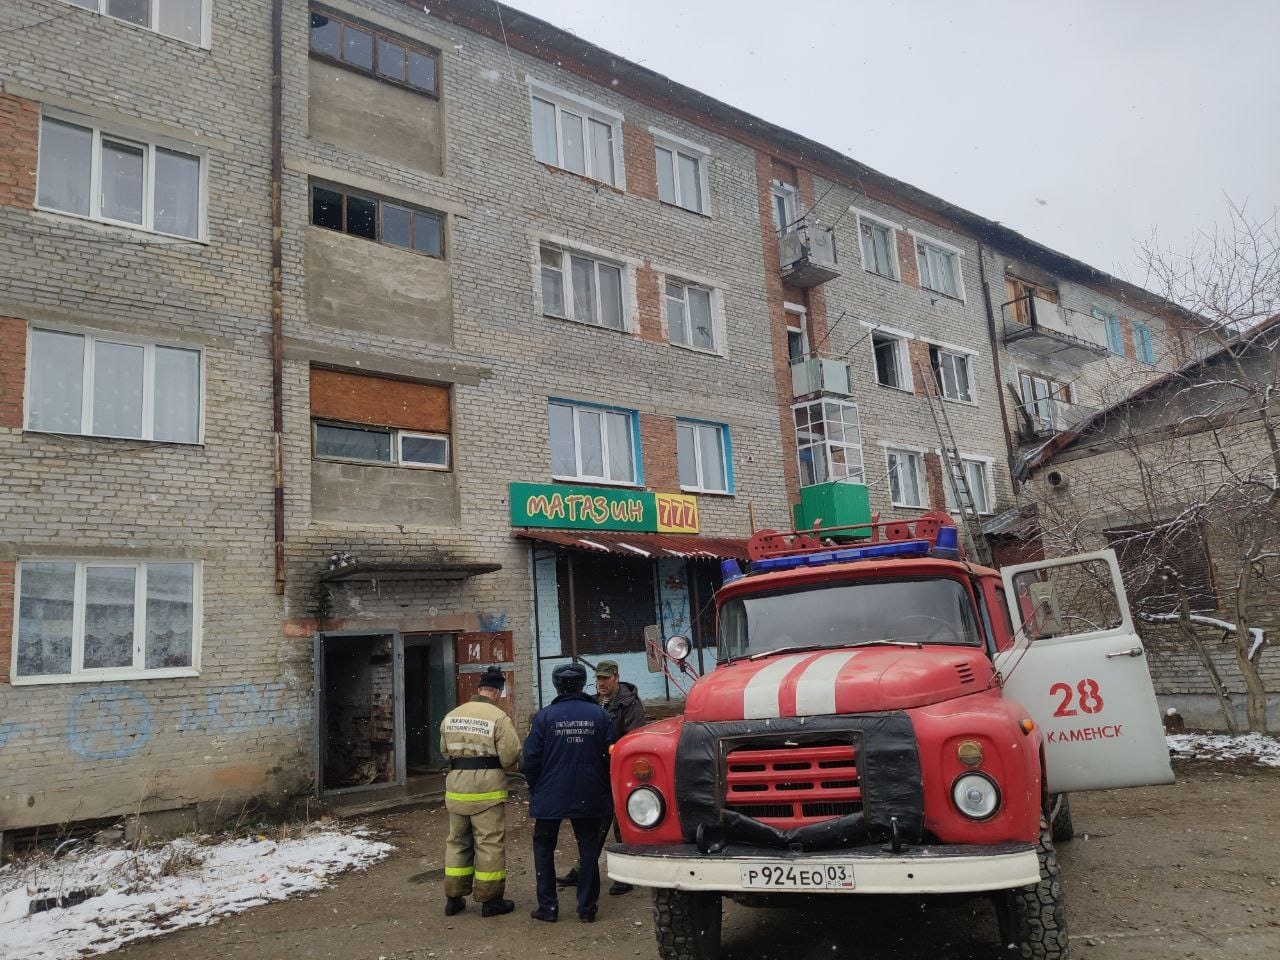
pixel 277 280
pixel 993 336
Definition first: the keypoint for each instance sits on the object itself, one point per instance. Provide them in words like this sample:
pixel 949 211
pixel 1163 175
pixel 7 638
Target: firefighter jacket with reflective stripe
pixel 477 728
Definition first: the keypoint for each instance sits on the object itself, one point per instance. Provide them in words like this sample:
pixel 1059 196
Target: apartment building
pixel 533 339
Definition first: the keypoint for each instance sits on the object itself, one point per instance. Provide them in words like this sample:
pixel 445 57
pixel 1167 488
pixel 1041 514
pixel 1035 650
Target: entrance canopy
pixel 424 570
pixel 656 546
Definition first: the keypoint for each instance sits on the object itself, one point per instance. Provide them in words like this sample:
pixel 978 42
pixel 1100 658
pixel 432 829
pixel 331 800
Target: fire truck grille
pixel 790 787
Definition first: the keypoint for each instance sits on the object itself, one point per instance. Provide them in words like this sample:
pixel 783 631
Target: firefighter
pixel 566 761
pixel 622 702
pixel 479 740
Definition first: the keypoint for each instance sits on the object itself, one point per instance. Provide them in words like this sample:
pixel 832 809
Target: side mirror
pixel 678 648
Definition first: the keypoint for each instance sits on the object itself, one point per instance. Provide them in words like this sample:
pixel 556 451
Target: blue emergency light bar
pixel 880 551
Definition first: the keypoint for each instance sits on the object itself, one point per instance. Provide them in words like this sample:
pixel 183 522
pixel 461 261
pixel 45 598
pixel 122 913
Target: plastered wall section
pixel 240 729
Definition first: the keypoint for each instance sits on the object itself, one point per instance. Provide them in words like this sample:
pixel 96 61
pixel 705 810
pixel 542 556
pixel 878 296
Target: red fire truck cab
pixel 887 718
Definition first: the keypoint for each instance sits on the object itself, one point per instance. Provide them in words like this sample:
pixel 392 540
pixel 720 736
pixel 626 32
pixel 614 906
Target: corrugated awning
pixel 655 546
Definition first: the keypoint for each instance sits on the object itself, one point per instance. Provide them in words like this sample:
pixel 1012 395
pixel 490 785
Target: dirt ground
pixel 1183 872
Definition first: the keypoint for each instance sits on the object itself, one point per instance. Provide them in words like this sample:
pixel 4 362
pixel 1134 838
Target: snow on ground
pixel 1261 749
pixel 142 893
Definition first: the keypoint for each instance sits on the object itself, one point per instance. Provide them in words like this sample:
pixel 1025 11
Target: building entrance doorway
pixel 430 691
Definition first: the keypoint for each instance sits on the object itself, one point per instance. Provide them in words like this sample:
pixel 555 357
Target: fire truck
pixel 886 717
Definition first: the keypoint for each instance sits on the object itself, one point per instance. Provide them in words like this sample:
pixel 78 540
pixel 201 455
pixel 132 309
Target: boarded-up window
pixel 1018 291
pixel 379 401
pixel 1156 558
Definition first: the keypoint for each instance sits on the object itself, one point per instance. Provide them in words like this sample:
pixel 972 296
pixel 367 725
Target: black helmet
pixel 569 678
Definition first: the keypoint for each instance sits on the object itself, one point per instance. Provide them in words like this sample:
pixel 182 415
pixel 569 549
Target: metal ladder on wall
pixel 953 466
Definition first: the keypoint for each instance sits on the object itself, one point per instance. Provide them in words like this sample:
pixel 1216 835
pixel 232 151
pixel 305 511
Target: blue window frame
pixel 1142 339
pixel 596 443
pixel 1115 338
pixel 704 456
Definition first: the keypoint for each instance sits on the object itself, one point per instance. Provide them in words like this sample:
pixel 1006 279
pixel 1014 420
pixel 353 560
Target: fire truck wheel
pixel 687 924
pixel 1033 920
pixel 1060 814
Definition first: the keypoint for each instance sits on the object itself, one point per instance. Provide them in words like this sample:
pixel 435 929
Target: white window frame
pixel 148 144
pixel 955 254
pixel 563 100
pixel 566 251
pixel 985 464
pixel 1142 345
pixel 790 197
pixel 579 476
pixel 717 313
pixel 939 375
pixel 101 6
pixel 397 440
pixel 1033 404
pixel 903 351
pixel 895 271
pixel 860 474
pixel 662 140
pixel 697 426
pixel 78 672
pixel 91 340
pixel 922 483
pixel 798 323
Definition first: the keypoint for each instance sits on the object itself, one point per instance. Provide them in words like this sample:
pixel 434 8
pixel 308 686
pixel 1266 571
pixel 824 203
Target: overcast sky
pixel 1084 124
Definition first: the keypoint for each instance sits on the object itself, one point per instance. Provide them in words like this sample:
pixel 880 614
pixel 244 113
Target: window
pixel 102 619
pixel 1155 559
pixel 1020 293
pixel 180 19
pixel 682 172
pixel 939 269
pixel 382 56
pixel 878 247
pixel 401 448
pixel 99 386
pixel 578 287
pixel 593 443
pixel 1142 339
pixel 689 315
pixel 89 173
pixel 978 476
pixel 1115 336
pixel 951 370
pixel 797 333
pixel 784 207
pixel 702 457
pixel 385 221
pixel 828 441
pixel 576 135
pixel 891 361
pixel 906 478
pixel 1040 399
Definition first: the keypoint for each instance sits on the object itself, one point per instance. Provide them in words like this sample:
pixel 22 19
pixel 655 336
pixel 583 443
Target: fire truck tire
pixel 687 924
pixel 1033 920
pixel 1060 818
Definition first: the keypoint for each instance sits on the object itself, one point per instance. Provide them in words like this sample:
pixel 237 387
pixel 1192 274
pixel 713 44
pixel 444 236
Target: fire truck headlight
pixel 645 807
pixel 976 796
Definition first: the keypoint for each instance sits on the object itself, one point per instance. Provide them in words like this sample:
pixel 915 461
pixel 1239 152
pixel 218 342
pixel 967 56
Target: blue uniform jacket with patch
pixel 566 759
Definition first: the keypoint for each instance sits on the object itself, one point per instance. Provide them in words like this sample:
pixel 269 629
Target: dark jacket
pixel 566 759
pixel 626 709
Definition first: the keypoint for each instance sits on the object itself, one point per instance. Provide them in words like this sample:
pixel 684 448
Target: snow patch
pixel 1261 749
pixel 184 883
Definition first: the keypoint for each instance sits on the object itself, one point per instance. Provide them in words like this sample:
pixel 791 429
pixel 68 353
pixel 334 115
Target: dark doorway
pixel 429 693
pixel 357 719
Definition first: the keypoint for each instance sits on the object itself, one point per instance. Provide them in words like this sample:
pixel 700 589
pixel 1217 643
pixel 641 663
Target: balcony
pixel 808 254
pixel 820 376
pixel 1044 329
pixel 1041 419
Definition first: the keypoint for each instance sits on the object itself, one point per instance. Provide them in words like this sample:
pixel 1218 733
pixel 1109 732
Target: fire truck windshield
pixel 848 614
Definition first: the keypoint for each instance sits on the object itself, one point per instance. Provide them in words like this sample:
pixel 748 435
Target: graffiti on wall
pixel 113 722
pixel 492 621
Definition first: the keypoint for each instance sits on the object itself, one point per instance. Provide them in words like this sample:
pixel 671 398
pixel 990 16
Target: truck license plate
pixel 810 875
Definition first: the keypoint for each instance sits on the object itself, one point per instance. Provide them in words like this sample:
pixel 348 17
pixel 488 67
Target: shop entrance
pixel 430 691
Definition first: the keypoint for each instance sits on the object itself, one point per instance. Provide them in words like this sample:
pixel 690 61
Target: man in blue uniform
pixel 566 761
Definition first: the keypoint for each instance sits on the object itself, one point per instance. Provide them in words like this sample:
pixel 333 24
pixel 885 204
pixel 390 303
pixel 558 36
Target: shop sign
pixel 592 508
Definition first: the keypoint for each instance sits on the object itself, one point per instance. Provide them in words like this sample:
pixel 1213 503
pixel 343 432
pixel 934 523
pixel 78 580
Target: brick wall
pixel 1126 335
pixel 7 568
pixel 13 371
pixel 936 482
pixel 19 137
pixel 642 170
pixel 908 267
pixel 918 356
pixel 658 438
pixel 649 305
